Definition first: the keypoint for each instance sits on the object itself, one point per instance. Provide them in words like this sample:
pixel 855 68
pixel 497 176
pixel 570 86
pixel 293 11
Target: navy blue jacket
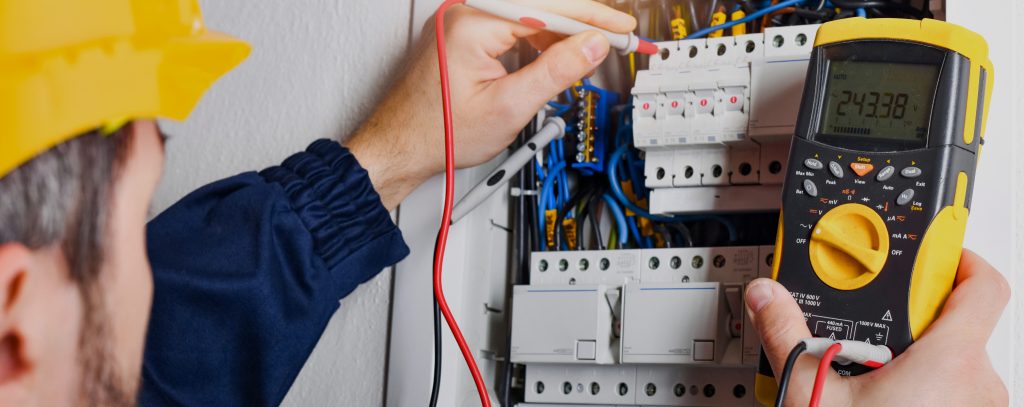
pixel 248 271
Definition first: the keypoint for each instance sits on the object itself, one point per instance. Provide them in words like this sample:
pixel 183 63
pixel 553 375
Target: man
pixel 246 271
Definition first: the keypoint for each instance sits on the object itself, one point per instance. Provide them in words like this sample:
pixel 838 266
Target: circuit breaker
pixel 719 112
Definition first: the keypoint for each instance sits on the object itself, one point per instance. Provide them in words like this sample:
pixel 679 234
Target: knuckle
pixel 996 391
pixel 1000 288
pixel 773 334
pixel 559 74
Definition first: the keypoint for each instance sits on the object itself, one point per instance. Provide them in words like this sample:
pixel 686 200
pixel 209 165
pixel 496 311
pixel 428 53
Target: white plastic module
pixel 674 323
pixel 751 342
pixel 678 331
pixel 720 112
pixel 562 324
pixel 613 268
pixel 631 385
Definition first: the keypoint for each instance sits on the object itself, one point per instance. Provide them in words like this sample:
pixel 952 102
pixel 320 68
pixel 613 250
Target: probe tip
pixel 647 48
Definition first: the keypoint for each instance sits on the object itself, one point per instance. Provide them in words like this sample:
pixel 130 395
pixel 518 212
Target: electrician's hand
pixel 402 143
pixel 948 366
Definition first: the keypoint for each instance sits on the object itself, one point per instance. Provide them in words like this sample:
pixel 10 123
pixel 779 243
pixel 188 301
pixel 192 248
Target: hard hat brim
pixel 50 99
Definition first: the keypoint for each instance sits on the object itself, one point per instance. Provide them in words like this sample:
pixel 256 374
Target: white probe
pixel 530 17
pixel 554 127
pixel 861 353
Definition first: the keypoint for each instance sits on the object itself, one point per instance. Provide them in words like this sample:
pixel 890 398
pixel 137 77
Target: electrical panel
pixel 639 326
pixel 714 118
pixel 630 241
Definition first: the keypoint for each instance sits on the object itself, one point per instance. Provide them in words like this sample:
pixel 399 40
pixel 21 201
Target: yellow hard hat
pixel 71 66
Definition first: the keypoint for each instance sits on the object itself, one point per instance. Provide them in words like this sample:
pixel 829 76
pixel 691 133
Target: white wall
pixel 317 68
pixel 995 214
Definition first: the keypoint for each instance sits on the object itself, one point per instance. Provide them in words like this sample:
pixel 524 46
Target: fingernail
pixel 759 294
pixel 595 48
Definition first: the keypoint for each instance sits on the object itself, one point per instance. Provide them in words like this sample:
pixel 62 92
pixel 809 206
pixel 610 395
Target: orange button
pixel 861 169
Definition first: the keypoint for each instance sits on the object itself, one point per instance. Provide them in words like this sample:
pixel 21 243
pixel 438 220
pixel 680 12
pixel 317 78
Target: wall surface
pixel 317 68
pixel 995 213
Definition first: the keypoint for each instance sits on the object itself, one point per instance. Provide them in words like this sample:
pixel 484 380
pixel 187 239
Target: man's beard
pixel 102 384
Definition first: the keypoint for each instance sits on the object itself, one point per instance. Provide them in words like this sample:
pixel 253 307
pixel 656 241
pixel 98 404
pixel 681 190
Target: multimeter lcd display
pixel 879 100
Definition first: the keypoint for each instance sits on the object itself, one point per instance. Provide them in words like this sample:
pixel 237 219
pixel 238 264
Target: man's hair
pixel 62 197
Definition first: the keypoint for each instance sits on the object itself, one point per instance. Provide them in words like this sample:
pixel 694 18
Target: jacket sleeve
pixel 248 271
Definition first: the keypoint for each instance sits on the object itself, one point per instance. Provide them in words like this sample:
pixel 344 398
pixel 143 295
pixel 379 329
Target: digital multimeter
pixel 880 173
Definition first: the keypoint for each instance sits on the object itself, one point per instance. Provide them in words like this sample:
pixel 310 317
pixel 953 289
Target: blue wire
pixel 620 218
pixel 616 190
pixel 635 231
pixel 563 179
pixel 560 109
pixel 861 12
pixel 545 192
pixel 751 17
pixel 553 198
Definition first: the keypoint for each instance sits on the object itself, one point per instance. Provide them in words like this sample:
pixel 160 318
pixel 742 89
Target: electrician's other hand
pixel 947 366
pixel 402 143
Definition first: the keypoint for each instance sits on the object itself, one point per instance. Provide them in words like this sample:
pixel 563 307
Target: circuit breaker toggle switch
pixel 646 105
pixel 849 246
pixel 704 101
pixel 675 103
pixel 733 99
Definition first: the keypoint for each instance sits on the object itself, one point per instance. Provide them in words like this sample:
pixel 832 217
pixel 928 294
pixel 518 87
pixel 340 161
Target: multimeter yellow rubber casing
pixel 879 182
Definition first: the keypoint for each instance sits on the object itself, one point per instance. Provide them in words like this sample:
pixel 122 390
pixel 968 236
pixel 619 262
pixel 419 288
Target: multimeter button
pixel 911 172
pixel 836 169
pixel 813 164
pixel 905 197
pixel 810 188
pixel 861 169
pixel 886 173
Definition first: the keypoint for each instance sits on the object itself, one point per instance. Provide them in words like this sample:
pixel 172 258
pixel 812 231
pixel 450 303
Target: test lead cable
pixel 533 18
pixel 823 369
pixel 843 352
pixel 449 195
pixel 787 371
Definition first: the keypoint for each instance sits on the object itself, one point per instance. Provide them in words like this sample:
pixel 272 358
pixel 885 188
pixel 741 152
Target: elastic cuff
pixel 334 198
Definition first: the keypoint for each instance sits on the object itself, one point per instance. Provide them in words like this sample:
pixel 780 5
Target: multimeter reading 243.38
pixel 881 167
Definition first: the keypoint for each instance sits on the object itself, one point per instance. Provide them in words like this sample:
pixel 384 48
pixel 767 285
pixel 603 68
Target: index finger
pixel 976 303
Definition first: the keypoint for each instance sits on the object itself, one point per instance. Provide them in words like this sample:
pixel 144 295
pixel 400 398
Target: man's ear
pixel 15 261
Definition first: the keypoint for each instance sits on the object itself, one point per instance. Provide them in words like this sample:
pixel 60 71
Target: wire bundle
pixel 758 15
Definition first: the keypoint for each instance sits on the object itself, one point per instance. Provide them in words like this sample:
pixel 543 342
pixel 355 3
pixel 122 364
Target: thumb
pixel 777 318
pixel 781 325
pixel 555 70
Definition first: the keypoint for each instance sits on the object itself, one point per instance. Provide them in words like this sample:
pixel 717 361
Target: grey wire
pixel 693 16
pixel 711 11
